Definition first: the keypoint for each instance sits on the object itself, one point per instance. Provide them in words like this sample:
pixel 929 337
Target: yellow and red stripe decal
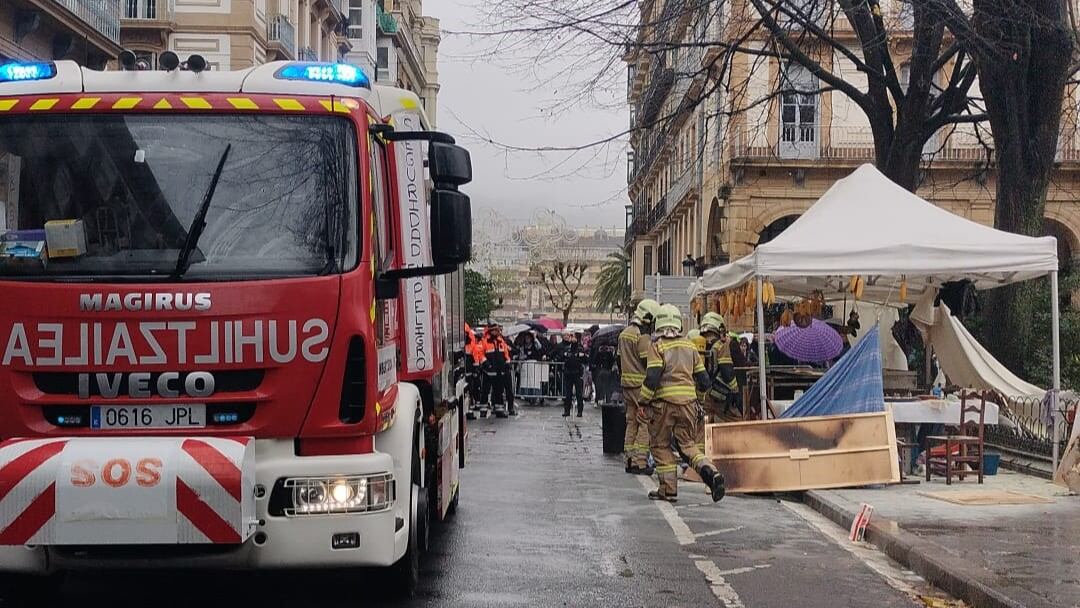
pixel 181 102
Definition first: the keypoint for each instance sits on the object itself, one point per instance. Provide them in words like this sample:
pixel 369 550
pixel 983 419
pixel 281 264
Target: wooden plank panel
pixel 805 453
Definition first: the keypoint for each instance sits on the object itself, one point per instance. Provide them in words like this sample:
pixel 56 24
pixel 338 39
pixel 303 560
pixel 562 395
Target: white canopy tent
pixel 866 225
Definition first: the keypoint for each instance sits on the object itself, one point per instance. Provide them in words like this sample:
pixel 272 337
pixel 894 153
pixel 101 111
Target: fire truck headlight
pixel 353 494
pixel 342 492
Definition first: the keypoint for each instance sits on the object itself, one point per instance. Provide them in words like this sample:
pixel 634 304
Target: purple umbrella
pixel 813 344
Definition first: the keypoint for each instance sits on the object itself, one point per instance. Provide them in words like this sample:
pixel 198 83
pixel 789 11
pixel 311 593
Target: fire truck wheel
pixel 406 571
pixel 423 520
pixel 451 508
pixel 18 590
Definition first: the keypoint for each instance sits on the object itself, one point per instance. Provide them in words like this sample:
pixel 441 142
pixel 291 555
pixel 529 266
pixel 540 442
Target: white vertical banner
pixel 419 347
pixel 414 215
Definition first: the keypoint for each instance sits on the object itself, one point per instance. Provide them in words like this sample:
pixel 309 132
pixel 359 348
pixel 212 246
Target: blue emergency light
pixel 25 71
pixel 336 73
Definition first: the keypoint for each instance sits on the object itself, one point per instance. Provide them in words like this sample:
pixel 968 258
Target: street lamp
pixel 688 265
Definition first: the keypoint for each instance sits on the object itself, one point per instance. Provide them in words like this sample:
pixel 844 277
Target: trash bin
pixel 990 463
pixel 613 416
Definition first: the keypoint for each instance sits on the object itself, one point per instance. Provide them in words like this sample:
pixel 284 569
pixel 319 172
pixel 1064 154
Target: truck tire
pixel 406 572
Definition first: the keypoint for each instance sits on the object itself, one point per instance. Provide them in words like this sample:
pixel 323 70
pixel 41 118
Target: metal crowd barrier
pixel 536 381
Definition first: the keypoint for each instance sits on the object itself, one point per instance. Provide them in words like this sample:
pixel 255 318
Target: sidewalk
pixel 990 556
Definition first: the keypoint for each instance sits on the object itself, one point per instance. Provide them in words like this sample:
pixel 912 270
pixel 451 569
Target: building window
pixel 382 64
pixel 140 9
pixel 356 19
pixel 798 113
pixel 647 259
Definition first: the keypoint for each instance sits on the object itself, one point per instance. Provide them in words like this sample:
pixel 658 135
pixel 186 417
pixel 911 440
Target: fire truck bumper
pixel 283 536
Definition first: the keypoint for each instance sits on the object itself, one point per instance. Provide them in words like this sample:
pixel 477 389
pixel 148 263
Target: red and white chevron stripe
pixel 206 485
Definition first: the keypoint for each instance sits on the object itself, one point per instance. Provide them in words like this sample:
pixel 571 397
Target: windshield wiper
pixel 183 261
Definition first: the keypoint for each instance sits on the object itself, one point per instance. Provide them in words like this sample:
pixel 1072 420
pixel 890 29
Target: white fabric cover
pixel 965 362
pixel 867 225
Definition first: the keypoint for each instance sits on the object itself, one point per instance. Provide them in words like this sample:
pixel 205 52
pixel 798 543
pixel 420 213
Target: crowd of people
pixel 491 357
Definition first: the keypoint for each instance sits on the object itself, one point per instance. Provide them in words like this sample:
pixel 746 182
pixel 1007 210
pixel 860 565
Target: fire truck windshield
pixel 111 197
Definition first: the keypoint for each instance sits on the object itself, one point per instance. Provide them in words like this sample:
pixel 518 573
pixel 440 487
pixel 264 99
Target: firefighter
pixel 634 344
pixel 723 394
pixel 493 355
pixel 675 374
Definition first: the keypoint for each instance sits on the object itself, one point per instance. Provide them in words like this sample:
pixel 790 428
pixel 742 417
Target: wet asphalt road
pixel 546 519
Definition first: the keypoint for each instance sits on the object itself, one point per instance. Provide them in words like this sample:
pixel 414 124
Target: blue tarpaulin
pixel 852 386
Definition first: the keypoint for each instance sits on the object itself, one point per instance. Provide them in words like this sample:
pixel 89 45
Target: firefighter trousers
pixel 636 440
pixel 678 421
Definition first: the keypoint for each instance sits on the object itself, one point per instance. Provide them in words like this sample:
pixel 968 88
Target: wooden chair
pixel 969 443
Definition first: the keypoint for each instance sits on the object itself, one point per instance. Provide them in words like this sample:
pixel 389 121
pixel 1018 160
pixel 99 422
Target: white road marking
pixel 715 532
pixel 678 526
pixel 874 559
pixel 720 587
pixel 717 583
pixel 735 571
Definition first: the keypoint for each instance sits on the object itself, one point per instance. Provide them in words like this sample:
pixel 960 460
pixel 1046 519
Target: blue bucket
pixel 990 463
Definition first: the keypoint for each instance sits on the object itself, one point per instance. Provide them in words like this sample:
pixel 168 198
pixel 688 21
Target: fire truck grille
pixel 66 383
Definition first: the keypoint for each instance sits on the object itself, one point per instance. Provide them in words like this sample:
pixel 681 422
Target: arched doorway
pixel 774 229
pixel 1066 242
pixel 714 239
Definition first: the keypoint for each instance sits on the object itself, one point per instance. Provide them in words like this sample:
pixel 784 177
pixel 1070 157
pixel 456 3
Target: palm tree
pixel 613 288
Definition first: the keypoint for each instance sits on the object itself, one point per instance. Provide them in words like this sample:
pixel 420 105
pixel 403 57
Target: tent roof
pixel 867 225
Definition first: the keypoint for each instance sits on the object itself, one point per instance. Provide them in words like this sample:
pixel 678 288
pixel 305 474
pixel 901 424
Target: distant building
pixel 515 265
pixel 87 31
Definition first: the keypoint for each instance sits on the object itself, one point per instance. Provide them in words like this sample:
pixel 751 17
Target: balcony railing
pixel 839 143
pixel 385 21
pixel 280 30
pixel 307 54
pixel 148 10
pixel 102 15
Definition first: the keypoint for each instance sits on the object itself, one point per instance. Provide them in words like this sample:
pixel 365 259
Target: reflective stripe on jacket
pixel 631 356
pixel 678 359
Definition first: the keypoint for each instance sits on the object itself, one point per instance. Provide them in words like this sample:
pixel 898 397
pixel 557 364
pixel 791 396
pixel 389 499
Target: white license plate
pixel 148 416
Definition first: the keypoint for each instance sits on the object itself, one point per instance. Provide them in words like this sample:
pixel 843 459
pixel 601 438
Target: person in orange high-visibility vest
pixel 473 379
pixel 492 354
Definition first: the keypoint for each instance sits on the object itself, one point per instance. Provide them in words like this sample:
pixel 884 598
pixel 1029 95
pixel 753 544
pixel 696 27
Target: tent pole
pixel 1055 332
pixel 761 351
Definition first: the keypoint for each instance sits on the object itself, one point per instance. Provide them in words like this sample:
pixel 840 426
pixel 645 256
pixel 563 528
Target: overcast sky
pixel 477 95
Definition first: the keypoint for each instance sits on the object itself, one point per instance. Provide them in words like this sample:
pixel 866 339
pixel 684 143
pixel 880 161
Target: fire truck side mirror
pixel 451 228
pixel 449 164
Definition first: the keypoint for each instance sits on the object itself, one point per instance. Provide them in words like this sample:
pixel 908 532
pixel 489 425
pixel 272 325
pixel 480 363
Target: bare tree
pixel 562 280
pixel 1026 52
pixel 902 72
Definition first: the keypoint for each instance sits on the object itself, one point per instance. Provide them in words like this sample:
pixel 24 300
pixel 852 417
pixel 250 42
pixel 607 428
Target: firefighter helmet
pixel 669 317
pixel 647 310
pixel 714 322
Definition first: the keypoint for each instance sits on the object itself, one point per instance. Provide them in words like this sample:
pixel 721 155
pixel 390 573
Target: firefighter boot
pixel 714 480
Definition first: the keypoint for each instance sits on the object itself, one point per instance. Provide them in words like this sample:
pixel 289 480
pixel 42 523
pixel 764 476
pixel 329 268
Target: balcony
pixel 388 26
pixel 307 54
pixel 662 81
pixel 147 13
pixel 841 144
pixel 281 34
pixel 101 15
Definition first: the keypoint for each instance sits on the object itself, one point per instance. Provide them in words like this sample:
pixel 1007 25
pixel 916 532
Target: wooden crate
pixel 809 453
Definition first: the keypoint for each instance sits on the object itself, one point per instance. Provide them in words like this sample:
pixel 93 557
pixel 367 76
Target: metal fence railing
pixel 538 380
pixel 1032 430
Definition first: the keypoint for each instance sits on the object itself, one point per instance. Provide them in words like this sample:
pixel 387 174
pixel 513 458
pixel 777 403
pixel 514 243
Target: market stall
pixel 895 243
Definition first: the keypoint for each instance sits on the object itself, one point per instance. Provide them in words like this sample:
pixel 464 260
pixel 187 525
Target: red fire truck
pixel 230 312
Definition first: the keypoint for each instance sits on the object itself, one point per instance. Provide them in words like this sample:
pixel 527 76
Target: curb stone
pixel 922 556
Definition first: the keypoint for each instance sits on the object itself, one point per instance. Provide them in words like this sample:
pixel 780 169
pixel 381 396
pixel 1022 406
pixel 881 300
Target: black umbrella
pixel 608 336
pixel 534 325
